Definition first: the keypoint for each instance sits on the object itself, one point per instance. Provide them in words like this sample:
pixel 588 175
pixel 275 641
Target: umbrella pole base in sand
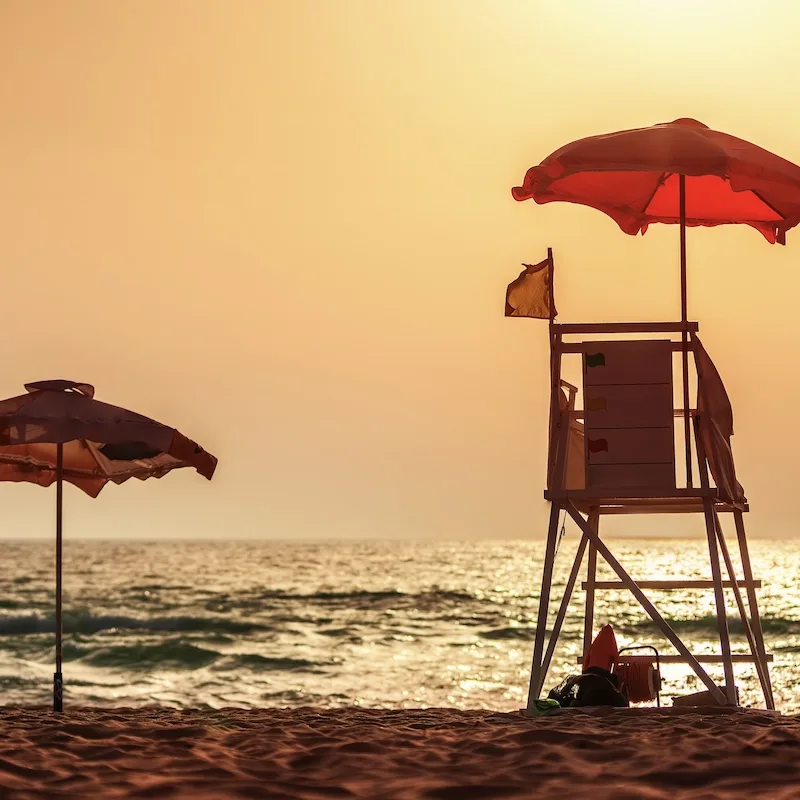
pixel 58 692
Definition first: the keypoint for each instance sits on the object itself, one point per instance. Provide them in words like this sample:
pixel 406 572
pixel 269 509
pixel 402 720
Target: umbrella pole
pixel 58 681
pixel 687 426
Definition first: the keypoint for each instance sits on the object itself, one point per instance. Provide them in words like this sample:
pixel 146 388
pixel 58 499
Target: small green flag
pixel 542 707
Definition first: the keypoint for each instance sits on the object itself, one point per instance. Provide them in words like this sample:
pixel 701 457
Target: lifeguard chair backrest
pixel 574 476
pixel 630 440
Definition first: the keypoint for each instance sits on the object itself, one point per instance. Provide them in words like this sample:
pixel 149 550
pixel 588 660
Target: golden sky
pixel 286 228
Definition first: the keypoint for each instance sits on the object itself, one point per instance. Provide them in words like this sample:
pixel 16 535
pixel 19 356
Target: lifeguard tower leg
pixel 716 573
pixel 719 597
pixel 747 568
pixel 562 612
pixel 761 667
pixel 591 576
pixel 544 605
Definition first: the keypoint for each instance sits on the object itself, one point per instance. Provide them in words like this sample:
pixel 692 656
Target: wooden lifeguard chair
pixel 617 455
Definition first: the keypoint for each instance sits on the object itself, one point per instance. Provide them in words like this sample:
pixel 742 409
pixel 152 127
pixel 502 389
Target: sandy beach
pixel 439 753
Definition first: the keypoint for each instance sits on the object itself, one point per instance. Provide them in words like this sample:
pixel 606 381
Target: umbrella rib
pixel 769 205
pixel 95 451
pixel 665 175
pixel 661 182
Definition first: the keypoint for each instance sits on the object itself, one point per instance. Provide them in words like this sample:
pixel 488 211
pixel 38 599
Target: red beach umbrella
pixel 676 172
pixel 58 432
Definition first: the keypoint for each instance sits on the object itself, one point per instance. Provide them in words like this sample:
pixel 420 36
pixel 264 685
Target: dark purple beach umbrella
pixel 58 432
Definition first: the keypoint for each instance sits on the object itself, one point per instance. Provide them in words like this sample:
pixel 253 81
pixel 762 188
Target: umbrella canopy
pixel 633 177
pixel 58 431
pixel 101 442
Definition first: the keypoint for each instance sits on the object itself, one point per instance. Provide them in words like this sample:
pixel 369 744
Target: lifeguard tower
pixel 616 444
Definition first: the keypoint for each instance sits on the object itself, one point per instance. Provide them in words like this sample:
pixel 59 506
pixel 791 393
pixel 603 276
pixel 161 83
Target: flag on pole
pixel 530 295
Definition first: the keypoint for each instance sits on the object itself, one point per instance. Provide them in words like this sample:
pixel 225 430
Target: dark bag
pixel 595 687
pixel 599 687
pixel 565 692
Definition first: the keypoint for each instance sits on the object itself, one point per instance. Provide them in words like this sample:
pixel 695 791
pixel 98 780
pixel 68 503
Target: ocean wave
pixel 17 681
pixel 708 624
pixel 171 654
pixel 88 623
pixel 524 634
pixel 178 654
pixel 164 587
pixel 9 683
pixel 258 663
pixel 370 600
pixel 12 604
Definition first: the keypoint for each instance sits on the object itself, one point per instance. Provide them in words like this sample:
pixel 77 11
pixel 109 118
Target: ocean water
pixel 388 624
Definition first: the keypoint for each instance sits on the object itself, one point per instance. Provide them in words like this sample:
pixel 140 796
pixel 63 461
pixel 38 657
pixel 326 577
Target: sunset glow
pixel 293 224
